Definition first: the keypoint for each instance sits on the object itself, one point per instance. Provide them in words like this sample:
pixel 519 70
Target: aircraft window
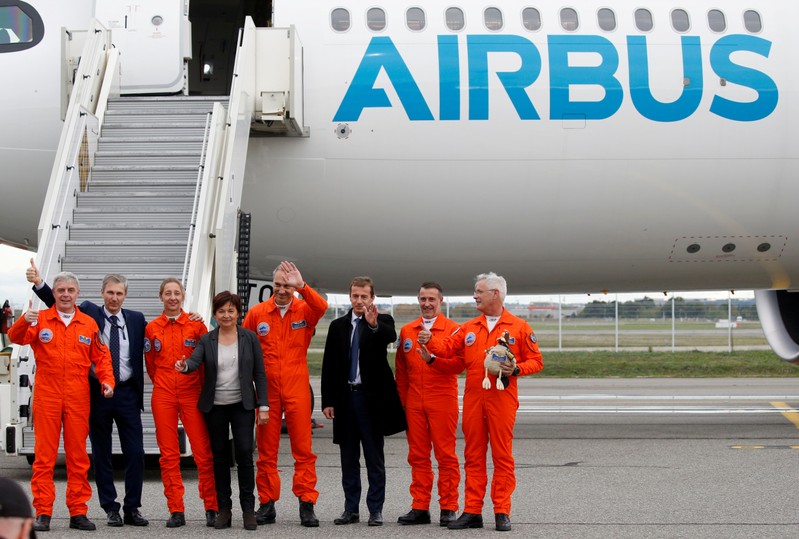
pixel 340 19
pixel 21 26
pixel 643 20
pixel 376 19
pixel 568 19
pixel 455 19
pixel 531 19
pixel 606 19
pixel 414 18
pixel 680 21
pixel 752 21
pixel 716 20
pixel 493 18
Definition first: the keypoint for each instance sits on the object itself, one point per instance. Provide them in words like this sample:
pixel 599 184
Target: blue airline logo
pixel 383 55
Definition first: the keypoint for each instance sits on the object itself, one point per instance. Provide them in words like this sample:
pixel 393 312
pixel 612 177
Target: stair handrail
pixel 64 182
pixel 212 258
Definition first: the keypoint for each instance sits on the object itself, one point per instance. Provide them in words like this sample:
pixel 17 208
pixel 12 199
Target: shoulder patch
pixel 262 329
pixel 470 338
pixel 157 345
pixel 147 345
pixel 533 338
pixel 407 345
pixel 46 335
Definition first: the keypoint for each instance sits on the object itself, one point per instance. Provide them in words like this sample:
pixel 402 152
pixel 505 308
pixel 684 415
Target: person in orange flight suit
pixel 65 343
pixel 430 399
pixel 167 339
pixel 488 415
pixel 285 325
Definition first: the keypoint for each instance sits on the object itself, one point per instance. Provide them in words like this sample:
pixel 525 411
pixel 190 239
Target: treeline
pixel 683 309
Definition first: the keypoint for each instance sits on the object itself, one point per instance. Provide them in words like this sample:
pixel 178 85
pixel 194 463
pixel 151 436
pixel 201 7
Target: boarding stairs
pixel 135 218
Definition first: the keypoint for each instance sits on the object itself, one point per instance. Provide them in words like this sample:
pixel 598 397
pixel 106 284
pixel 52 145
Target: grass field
pixel 692 364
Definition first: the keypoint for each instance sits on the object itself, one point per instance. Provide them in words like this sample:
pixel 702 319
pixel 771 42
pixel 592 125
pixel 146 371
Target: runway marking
pixel 788 412
pixel 656 404
pixel 764 447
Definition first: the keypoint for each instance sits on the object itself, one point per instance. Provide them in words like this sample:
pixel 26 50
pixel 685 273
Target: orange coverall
pixel 285 345
pixel 488 415
pixel 64 355
pixel 175 395
pixel 430 399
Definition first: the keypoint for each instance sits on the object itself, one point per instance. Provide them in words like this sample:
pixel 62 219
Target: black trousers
pixel 362 432
pixel 122 409
pixel 242 424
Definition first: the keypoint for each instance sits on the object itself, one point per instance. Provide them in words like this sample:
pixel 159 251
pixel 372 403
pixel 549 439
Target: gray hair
pixel 66 276
pixel 494 282
pixel 115 278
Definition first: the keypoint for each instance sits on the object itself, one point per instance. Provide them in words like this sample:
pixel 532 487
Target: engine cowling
pixel 778 311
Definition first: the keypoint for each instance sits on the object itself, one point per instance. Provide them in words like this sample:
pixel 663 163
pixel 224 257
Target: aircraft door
pixel 151 36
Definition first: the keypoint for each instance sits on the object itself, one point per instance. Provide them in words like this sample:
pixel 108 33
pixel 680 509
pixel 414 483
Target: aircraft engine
pixel 778 311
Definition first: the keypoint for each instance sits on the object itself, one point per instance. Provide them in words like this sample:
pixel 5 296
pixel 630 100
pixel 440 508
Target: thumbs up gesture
pixel 31 316
pixel 32 274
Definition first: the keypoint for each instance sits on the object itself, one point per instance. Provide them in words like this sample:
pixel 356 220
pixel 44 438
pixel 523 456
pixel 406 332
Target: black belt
pixel 356 387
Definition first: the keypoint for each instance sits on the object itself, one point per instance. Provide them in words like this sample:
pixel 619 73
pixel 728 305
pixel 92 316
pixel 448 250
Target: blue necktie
pixel 113 345
pixel 354 352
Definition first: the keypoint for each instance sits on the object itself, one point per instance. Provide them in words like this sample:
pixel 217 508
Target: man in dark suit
pixel 123 331
pixel 360 395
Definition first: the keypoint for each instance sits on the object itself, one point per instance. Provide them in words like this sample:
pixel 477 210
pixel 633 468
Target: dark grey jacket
pixel 251 369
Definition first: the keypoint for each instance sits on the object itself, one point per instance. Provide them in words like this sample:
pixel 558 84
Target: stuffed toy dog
pixel 496 356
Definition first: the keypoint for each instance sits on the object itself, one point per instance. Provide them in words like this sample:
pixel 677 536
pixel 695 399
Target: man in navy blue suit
pixel 123 331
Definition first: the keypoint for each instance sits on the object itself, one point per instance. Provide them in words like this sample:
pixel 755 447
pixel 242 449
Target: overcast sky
pixel 15 288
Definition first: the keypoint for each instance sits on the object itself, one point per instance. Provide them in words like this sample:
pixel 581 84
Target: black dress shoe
pixel 176 520
pixel 134 518
pixel 414 516
pixel 210 517
pixel 80 522
pixel 375 519
pixel 466 520
pixel 447 516
pixel 42 523
pixel 347 518
pixel 114 519
pixel 307 515
pixel 266 513
pixel 503 522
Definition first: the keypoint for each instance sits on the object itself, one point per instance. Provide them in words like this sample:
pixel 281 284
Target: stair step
pixel 127 232
pixel 182 130
pixel 148 245
pixel 132 159
pixel 133 216
pixel 154 144
pixel 168 103
pixel 109 173
pixel 128 266
pixel 146 199
pixel 139 285
pixel 146 184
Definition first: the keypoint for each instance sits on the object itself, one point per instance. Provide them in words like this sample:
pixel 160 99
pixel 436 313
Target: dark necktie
pixel 354 352
pixel 113 345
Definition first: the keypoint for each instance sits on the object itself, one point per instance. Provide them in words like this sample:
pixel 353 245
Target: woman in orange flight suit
pixel 169 338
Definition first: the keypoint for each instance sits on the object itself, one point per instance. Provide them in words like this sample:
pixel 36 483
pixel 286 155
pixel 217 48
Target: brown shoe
pixel 249 521
pixel 223 519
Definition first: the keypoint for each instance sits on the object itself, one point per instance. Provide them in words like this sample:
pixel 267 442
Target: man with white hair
pixel 65 342
pixel 488 414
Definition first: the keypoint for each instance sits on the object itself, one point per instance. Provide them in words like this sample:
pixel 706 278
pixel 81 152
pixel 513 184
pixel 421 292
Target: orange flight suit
pixel 430 399
pixel 175 395
pixel 64 355
pixel 285 341
pixel 488 415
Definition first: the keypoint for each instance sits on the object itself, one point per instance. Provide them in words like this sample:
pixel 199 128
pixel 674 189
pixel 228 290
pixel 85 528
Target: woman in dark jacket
pixel 234 386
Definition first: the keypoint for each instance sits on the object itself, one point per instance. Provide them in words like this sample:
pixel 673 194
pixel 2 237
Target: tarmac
pixel 620 458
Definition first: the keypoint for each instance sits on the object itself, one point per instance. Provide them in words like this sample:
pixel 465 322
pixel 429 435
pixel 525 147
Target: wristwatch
pixel 516 371
pixel 263 408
